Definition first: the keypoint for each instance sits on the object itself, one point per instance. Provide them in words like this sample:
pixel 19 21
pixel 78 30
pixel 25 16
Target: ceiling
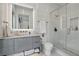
pixel 52 6
pixel 59 4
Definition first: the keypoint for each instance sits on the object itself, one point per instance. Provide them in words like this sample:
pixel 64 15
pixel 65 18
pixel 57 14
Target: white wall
pixel 1 31
pixel 42 13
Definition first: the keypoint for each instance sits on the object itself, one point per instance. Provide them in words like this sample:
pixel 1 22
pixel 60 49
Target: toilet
pixel 47 48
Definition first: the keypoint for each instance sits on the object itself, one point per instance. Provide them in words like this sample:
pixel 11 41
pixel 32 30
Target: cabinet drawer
pixel 36 39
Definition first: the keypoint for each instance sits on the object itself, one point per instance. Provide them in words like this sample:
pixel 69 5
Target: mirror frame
pixel 26 6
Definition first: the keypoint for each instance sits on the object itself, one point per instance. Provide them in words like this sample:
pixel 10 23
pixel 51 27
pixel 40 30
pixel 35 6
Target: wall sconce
pixel 5 25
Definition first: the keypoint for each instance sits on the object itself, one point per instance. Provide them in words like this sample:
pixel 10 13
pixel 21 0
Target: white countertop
pixel 20 36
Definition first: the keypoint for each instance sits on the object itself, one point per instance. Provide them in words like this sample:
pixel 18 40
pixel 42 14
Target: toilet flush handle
pixel 43 34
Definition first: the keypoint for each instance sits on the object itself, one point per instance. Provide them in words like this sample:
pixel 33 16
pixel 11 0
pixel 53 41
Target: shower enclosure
pixel 66 20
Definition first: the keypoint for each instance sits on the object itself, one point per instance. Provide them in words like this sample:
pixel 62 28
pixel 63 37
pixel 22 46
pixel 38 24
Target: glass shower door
pixel 66 20
pixel 62 27
pixel 72 39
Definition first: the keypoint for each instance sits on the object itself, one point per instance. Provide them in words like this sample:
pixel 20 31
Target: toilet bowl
pixel 47 48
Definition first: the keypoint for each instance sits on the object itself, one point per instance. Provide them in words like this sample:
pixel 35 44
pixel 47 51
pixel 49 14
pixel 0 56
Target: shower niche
pixel 74 24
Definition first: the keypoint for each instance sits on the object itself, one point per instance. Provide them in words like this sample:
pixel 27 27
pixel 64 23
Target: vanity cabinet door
pixel 7 46
pixel 36 42
pixel 1 45
pixel 28 44
pixel 19 45
pixel 0 52
pixel 22 44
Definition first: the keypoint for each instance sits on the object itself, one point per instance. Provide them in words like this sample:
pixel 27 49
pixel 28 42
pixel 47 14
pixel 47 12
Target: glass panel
pixel 73 36
pixel 63 26
pixel 59 21
pixel 66 20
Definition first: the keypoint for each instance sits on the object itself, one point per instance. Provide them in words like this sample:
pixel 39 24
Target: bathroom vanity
pixel 17 18
pixel 13 45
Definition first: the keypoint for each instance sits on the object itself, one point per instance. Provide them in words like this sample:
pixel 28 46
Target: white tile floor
pixel 55 52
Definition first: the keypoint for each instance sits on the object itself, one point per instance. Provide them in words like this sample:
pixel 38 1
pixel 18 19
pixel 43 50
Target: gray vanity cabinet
pixel 24 44
pixel 7 47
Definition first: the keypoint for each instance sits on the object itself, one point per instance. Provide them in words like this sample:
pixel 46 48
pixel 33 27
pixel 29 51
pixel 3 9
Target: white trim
pixel 33 19
pixel 22 5
pixel 11 17
pixel 22 29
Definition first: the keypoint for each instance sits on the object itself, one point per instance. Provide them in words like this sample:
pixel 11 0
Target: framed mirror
pixel 22 17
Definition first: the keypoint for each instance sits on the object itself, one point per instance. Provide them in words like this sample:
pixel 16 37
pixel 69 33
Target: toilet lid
pixel 48 45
